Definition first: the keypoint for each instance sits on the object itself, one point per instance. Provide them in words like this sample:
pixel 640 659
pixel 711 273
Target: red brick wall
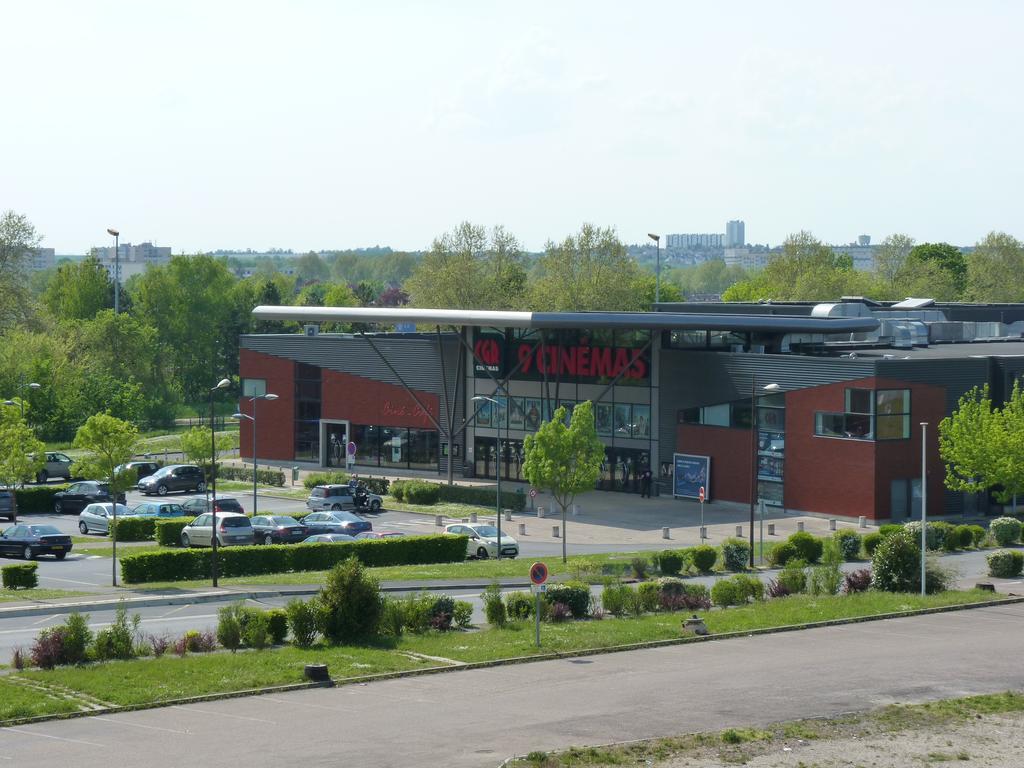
pixel 730 453
pixel 365 401
pixel 275 433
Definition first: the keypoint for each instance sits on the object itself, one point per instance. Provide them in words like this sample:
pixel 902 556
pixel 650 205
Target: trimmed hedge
pixel 461 494
pixel 186 564
pixel 1006 563
pixel 1005 530
pixel 167 531
pixel 37 498
pixel 575 594
pixel 21 576
pixel 133 528
pixel 263 476
pixel 378 485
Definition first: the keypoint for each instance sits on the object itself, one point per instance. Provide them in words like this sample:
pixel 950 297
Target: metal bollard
pixel 831 525
pixel 554 531
pixel 575 510
pixel 863 521
pixel 800 526
pixel 665 533
pixel 540 512
pixel 771 529
pixel 508 515
pixel 703 533
pixel 472 517
pixel 439 520
pixel 739 531
pixel 522 529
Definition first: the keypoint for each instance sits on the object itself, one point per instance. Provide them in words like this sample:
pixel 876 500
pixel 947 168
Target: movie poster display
pixel 691 473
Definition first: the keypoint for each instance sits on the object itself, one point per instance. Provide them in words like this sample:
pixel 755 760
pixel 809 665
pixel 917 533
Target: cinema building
pixel 821 402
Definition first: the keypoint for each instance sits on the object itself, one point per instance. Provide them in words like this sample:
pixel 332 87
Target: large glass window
pixel 422 449
pixel 394 447
pixel 307 412
pixel 893 409
pixel 870 415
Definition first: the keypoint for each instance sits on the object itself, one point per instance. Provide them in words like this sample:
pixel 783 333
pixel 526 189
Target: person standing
pixel 645 483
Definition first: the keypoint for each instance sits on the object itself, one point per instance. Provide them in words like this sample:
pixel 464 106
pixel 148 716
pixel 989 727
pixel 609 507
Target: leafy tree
pixel 469 269
pixel 647 284
pixel 995 269
pixel 891 256
pixel 711 276
pixel 107 442
pixel 79 291
pixel 947 258
pixel 311 268
pixel 195 444
pixel 18 239
pixel 22 454
pixel 565 460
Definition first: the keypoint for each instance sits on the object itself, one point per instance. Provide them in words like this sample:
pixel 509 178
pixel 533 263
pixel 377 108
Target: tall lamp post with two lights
pixel 252 418
pixel 117 269
pixel 753 453
pixel 21 399
pixel 497 501
pixel 222 384
pixel 657 267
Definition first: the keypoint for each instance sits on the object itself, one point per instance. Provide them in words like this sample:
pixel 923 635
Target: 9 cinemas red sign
pixel 581 362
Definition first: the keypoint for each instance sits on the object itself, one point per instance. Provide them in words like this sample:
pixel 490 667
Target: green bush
pixel 255 628
pixel 935 535
pixel 736 590
pixel 827 578
pixel 78 636
pixel 349 604
pixel 639 566
pixel 808 547
pixel 263 476
pixel 613 597
pixel 167 531
pixel 422 492
pixel 1005 563
pixel 671 561
pixel 398 489
pixel 494 607
pixel 277 619
pixel 326 478
pixel 735 554
pixel 519 605
pixel 781 554
pixel 302 622
pixel 889 529
pixel 849 543
pixel 22 576
pixel 37 498
pixel 229 626
pixel 392 618
pixel 120 639
pixel 462 614
pixel 871 542
pixel 1005 530
pixel 896 566
pixel 649 593
pixel 793 577
pixel 574 594
pixel 978 535
pixel 703 557
pixel 965 536
pixel 133 528
pixel 949 540
pixel 460 494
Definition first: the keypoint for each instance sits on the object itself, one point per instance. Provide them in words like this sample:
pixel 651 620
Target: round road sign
pixel 702 494
pixel 538 573
pixel 533 493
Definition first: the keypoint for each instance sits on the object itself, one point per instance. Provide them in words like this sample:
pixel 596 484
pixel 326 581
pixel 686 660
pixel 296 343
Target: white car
pixel 483 540
pixel 94 518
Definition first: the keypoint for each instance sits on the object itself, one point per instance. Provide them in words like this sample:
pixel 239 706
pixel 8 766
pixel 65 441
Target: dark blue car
pixel 335 522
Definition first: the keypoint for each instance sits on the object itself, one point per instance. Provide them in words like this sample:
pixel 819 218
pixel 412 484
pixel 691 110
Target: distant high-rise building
pixel 133 258
pixel 864 240
pixel 42 258
pixel 735 234
pixel 694 240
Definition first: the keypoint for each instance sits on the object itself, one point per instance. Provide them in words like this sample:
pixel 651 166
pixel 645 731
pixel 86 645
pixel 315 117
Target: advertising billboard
pixel 690 474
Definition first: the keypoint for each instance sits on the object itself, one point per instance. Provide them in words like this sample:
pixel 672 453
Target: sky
pixel 320 125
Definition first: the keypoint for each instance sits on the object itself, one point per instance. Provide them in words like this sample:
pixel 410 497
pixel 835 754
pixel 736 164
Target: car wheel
pixel 161 490
pixel 268 539
pixel 58 508
pixel 185 541
pixel 42 477
pixel 28 554
pixel 200 487
pixel 336 507
pixel 375 506
pixel 481 553
pixel 83 527
pixel 61 555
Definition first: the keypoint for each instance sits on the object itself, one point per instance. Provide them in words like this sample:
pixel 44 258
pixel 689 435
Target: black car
pixel 175 477
pixel 138 469
pixel 8 507
pixel 335 522
pixel 79 495
pixel 278 529
pixel 199 505
pixel 30 541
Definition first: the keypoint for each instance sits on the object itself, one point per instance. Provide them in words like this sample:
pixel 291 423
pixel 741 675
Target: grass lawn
pixel 19 701
pixel 123 548
pixel 11 595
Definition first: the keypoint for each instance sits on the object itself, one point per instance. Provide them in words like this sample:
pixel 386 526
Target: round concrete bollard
pixel 703 533
pixel 554 531
pixel 665 534
pixel 508 515
pixel 522 529
pixel 540 512
pixel 739 531
pixel 863 521
pixel 439 520
pixel 831 525
pixel 771 529
pixel 800 526
pixel 472 517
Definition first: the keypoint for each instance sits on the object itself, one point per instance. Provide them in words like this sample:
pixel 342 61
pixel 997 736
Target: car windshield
pixel 486 530
pixel 44 530
pixel 235 522
pixel 284 520
pixel 162 472
pixel 347 517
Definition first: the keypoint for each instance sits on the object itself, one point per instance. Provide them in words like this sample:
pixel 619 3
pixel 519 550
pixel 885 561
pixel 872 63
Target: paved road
pixel 476 718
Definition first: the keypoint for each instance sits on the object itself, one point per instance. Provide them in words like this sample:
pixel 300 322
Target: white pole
pixel 924 500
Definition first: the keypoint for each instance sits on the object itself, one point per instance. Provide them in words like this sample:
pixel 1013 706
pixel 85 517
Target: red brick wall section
pixel 275 433
pixel 730 453
pixel 365 401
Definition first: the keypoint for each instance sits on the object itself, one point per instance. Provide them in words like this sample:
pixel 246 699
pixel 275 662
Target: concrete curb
pixel 508 662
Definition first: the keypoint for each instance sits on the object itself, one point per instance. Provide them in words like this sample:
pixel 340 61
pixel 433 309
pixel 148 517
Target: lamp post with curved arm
pixel 497 501
pixel 252 418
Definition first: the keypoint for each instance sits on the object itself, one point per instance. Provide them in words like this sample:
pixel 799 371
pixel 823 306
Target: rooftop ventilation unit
pixel 311 329
pixel 912 303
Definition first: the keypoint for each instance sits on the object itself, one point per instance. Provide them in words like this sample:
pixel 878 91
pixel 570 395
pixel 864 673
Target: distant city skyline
pixel 319 124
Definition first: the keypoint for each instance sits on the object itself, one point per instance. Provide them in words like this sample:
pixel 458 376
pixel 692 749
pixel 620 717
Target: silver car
pixel 95 517
pixel 338 497
pixel 57 465
pixel 232 529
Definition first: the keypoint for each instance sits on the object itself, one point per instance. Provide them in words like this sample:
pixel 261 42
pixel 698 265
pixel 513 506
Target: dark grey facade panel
pixel 957 375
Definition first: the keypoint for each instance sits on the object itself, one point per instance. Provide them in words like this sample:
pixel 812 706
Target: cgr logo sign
pixel 487 354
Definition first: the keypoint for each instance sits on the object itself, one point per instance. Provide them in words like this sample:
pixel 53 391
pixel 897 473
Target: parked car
pixel 174 477
pixel 137 469
pixel 8 505
pixel 95 517
pixel 339 497
pixel 30 541
pixel 57 465
pixel 200 504
pixel 278 529
pixel 327 538
pixel 232 528
pixel 483 540
pixel 158 509
pixel 336 522
pixel 78 495
pixel 379 535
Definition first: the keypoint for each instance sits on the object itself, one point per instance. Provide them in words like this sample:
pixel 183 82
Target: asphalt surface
pixel 479 717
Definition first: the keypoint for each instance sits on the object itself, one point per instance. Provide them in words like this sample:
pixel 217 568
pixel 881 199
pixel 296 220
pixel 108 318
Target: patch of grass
pixel 12 595
pixel 19 701
pixel 123 549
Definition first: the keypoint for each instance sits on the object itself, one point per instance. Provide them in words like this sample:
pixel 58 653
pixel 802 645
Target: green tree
pixel 22 454
pixel 647 286
pixel 311 268
pixel 995 269
pixel 195 444
pixel 891 256
pixel 565 460
pixel 18 239
pixel 947 258
pixel 79 291
pixel 468 268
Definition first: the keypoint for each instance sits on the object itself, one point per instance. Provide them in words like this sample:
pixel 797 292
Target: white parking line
pixel 72 581
pixel 44 619
pixel 139 725
pixel 191 708
pixel 175 610
pixel 55 738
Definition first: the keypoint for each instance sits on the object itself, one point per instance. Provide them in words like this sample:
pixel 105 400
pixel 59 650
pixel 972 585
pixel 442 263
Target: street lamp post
pixel 657 267
pixel 497 501
pixel 753 454
pixel 222 384
pixel 924 500
pixel 21 398
pixel 240 415
pixel 117 270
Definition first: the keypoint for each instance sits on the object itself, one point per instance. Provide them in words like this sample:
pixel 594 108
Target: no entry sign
pixel 538 573
pixel 702 494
